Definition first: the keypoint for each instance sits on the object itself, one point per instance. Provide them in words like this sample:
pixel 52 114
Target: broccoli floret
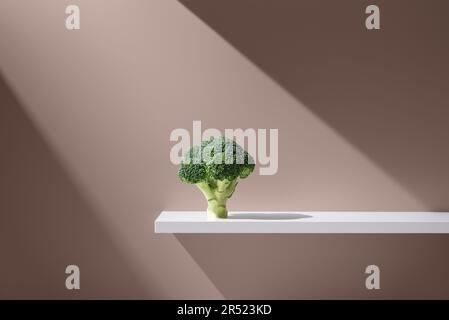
pixel 215 167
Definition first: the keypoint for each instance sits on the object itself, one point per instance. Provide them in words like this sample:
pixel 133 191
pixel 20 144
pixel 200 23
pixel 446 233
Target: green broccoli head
pixel 215 167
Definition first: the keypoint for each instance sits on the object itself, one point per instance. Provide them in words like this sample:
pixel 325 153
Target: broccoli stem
pixel 216 208
pixel 216 196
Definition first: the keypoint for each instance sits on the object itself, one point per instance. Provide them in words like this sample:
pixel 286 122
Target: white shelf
pixel 304 222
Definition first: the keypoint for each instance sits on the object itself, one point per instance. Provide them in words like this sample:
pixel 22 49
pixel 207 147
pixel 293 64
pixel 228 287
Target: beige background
pixel 85 118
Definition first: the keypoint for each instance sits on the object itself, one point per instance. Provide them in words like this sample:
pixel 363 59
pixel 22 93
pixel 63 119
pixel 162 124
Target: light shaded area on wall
pixel 46 224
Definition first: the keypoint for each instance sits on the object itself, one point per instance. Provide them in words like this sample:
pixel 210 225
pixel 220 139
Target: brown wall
pixel 85 123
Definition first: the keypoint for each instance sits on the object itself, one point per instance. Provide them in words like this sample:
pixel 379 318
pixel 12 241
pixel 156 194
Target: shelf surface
pixel 304 222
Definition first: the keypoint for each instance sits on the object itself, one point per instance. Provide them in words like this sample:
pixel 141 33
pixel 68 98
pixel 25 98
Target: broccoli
pixel 215 167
